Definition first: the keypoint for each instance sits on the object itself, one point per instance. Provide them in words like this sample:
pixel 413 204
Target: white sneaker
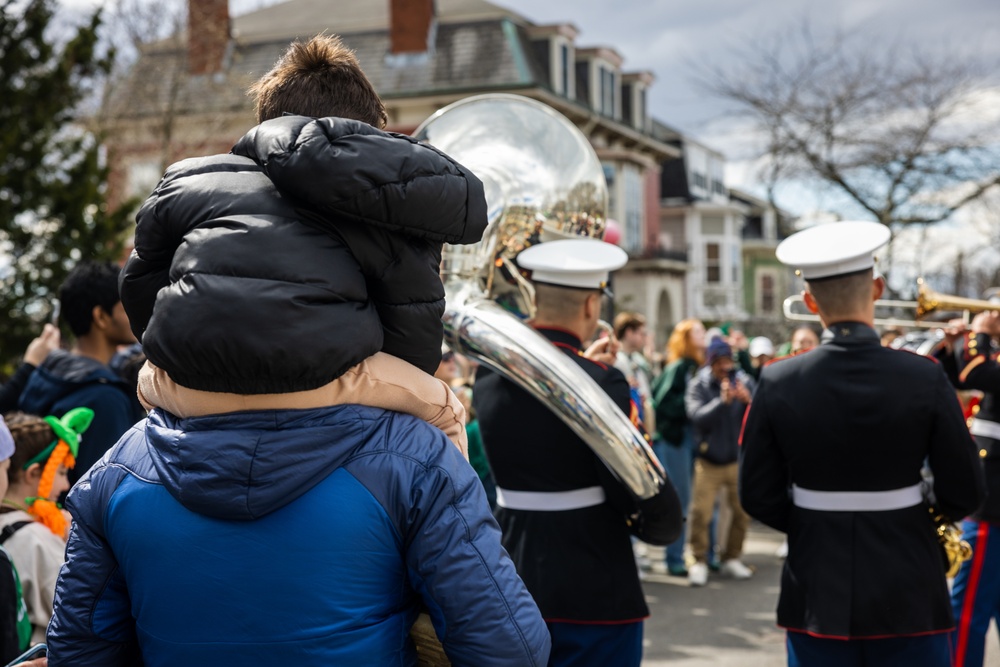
pixel 698 574
pixel 735 569
pixel 782 551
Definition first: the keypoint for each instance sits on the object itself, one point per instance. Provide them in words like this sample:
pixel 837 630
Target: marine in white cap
pixel 577 263
pixel 832 451
pixel 837 261
pixel 564 517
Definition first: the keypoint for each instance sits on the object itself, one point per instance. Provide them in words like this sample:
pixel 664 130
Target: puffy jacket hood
pixel 62 374
pixel 370 176
pixel 242 468
pixel 311 247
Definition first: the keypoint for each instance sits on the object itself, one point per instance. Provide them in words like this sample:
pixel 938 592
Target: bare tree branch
pixel 891 127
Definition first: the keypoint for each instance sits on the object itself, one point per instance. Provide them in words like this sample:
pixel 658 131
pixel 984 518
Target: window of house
pixel 606 103
pixel 609 176
pixel 766 293
pixel 565 72
pixel 713 224
pixel 632 202
pixel 640 113
pixel 713 263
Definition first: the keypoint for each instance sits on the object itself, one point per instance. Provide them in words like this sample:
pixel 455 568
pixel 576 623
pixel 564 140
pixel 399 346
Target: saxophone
pixel 956 550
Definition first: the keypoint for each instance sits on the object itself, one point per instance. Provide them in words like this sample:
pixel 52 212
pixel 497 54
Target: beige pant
pixel 709 480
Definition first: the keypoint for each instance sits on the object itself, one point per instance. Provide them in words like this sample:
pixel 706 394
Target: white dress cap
pixel 583 263
pixel 833 249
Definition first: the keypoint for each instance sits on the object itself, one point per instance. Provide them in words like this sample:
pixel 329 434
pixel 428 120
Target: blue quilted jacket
pixel 299 537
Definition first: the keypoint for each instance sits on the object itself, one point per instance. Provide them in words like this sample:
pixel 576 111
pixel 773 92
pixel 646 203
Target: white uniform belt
pixel 857 501
pixel 550 501
pixel 985 429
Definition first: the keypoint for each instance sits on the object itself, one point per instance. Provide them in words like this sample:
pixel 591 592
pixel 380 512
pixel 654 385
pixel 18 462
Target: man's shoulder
pixel 401 433
pixel 598 370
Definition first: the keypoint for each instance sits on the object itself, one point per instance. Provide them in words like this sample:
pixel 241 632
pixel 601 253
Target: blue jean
pixel 678 461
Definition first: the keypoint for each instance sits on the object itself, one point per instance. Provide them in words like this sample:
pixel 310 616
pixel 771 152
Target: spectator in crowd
pixel 279 328
pixel 15 625
pixel 674 441
pixel 81 376
pixel 630 330
pixel 32 529
pixel 761 351
pixel 716 400
pixel 804 338
pixel 38 349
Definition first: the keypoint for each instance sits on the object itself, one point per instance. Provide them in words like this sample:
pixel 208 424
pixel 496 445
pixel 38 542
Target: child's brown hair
pixel 319 78
pixel 32 435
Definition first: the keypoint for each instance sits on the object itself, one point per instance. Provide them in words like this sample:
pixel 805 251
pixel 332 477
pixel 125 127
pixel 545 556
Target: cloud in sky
pixel 667 37
pixel 670 38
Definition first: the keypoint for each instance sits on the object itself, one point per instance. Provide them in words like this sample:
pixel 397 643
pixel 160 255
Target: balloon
pixel 612 232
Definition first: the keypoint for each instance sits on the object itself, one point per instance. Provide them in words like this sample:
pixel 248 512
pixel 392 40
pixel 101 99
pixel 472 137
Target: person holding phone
pixel 716 399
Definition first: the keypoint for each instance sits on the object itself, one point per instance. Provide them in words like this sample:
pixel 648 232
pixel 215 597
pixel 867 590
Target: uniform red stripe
pixel 970 593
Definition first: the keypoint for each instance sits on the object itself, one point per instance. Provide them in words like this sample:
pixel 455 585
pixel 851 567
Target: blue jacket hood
pixel 245 466
pixel 61 374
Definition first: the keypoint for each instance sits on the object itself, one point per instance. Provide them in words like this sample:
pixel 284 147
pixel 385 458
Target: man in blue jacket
pixel 309 536
pixel 81 377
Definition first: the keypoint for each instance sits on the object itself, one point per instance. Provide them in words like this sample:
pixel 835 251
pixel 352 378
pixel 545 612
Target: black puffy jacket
pixel 313 245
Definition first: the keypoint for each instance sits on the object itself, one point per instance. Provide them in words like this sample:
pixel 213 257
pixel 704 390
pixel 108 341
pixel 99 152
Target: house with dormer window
pixel 729 235
pixel 186 96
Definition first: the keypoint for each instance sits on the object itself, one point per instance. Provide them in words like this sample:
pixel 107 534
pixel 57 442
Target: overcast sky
pixel 667 37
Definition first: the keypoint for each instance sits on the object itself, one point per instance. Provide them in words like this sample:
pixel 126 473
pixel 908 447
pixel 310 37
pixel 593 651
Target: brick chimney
pixel 208 35
pixel 410 24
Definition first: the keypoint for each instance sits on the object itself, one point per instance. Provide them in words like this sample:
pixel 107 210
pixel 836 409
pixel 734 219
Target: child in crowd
pixel 33 529
pixel 15 627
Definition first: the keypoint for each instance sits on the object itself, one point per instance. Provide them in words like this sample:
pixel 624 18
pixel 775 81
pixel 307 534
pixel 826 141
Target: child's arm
pixel 380 381
pixel 385 381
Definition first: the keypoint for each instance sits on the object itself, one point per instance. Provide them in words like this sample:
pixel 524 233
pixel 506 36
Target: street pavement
pixel 728 623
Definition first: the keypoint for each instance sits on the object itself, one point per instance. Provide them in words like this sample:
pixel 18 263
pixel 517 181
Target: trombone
pixel 928 302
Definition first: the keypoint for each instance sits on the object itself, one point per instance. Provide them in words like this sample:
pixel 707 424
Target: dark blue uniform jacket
pixel 851 415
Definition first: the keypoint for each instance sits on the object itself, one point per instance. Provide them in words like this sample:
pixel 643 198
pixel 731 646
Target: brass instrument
pixel 928 302
pixel 956 550
pixel 543 182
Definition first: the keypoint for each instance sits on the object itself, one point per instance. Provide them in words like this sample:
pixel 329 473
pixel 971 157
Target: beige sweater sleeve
pixel 380 381
pixel 37 554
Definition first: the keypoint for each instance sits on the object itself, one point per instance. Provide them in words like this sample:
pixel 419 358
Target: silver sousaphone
pixel 543 181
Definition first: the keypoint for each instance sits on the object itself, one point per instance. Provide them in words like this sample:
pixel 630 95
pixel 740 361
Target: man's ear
pixel 810 301
pixel 592 305
pixel 100 318
pixel 878 288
